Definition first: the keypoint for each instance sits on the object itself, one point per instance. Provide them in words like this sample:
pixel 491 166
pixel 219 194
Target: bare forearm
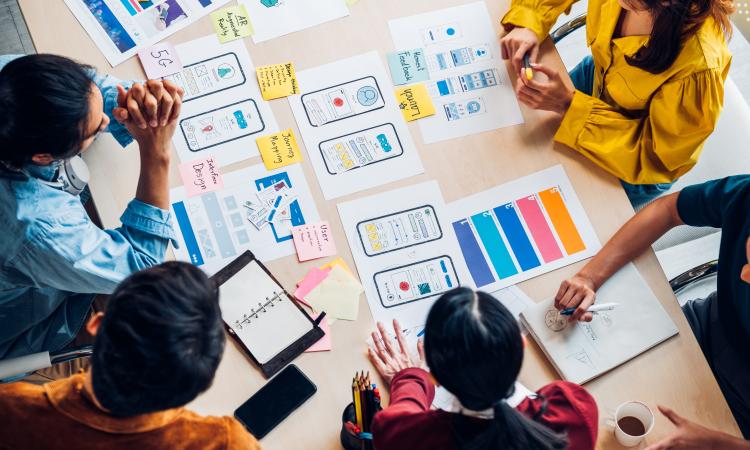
pixel 634 238
pixel 732 443
pixel 153 183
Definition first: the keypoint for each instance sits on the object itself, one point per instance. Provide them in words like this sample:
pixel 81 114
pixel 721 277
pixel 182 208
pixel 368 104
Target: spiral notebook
pixel 261 316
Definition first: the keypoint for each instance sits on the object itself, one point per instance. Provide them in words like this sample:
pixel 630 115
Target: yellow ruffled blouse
pixel 643 128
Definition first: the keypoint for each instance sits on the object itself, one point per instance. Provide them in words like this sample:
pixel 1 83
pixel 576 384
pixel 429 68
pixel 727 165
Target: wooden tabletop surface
pixel 674 373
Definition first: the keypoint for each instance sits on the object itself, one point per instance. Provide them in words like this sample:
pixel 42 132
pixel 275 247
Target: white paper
pixel 536 246
pixel 212 229
pixel 223 111
pixel 460 42
pixel 448 402
pixel 121 27
pixel 514 299
pixel 405 255
pixel 354 133
pixel 583 351
pixel 274 18
pixel 265 321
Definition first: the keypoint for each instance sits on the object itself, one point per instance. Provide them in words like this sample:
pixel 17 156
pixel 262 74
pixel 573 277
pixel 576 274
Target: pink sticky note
pixel 313 278
pixel 324 344
pixel 201 176
pixel 313 241
pixel 160 60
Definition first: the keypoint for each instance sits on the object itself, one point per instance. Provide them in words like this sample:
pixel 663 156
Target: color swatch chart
pixel 522 229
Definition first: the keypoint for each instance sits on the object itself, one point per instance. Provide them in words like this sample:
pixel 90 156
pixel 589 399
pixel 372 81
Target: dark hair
pixel 474 349
pixel 44 104
pixel 160 341
pixel 674 22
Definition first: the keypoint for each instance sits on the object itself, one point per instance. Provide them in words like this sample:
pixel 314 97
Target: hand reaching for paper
pixel 390 359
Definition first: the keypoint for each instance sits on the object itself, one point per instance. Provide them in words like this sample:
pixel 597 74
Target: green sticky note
pixel 408 66
pixel 231 23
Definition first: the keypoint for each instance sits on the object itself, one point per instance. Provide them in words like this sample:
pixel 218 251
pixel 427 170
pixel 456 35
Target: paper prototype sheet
pixel 354 133
pixel 469 82
pixel 274 18
pixel 213 228
pixel 222 110
pixel 405 254
pixel 121 27
pixel 582 351
pixel 522 229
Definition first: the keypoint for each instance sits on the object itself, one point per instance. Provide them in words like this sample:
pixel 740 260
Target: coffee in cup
pixel 633 421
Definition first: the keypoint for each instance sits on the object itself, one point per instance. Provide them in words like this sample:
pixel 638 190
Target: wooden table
pixel 674 373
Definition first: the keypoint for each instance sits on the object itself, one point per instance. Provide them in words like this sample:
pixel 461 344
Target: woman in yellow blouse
pixel 646 101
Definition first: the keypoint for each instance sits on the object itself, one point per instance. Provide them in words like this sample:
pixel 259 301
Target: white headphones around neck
pixel 72 176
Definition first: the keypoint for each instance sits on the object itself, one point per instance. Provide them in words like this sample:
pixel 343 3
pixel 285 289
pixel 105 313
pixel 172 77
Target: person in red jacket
pixel 473 347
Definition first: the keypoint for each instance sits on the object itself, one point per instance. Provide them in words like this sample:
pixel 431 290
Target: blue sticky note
pixel 408 66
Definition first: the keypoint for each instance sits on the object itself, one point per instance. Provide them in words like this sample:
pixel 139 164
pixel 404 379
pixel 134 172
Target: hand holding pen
pixel 577 294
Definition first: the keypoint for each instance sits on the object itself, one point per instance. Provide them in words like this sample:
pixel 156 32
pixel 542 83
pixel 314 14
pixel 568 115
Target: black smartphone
pixel 275 401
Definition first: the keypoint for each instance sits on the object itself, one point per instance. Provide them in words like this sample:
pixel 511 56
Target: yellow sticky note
pixel 351 2
pixel 337 295
pixel 338 262
pixel 231 23
pixel 277 81
pixel 279 150
pixel 414 102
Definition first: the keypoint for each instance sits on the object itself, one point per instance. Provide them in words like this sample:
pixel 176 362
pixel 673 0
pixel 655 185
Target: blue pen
pixel 592 309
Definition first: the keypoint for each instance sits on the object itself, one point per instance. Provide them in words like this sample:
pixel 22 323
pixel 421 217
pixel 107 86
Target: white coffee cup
pixel 639 411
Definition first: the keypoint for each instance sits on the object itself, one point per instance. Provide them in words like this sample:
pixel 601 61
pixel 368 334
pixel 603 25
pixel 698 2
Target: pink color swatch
pixel 540 230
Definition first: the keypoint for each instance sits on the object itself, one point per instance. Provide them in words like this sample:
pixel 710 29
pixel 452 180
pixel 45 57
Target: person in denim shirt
pixel 53 259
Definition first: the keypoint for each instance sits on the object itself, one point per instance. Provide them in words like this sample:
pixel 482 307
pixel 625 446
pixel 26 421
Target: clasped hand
pixel 149 111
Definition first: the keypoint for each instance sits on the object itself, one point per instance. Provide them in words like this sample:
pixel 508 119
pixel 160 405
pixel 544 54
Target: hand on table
pixel 551 95
pixel 578 292
pixel 691 436
pixel 389 359
pixel 516 44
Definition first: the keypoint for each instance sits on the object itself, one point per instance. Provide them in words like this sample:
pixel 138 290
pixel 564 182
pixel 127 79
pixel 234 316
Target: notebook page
pixel 266 322
pixel 583 351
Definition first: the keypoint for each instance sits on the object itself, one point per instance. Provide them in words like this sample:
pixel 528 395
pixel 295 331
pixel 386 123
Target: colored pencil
pixel 357 403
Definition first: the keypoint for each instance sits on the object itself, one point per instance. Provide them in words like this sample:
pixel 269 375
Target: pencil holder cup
pixel 349 440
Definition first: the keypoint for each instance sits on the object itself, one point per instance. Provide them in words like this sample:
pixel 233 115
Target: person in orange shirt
pixel 156 348
pixel 649 95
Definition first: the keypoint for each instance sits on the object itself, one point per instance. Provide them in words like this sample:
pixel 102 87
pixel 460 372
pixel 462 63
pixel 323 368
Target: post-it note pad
pixel 277 81
pixel 279 149
pixel 231 23
pixel 408 66
pixel 324 344
pixel 338 295
pixel 160 60
pixel 201 176
pixel 313 241
pixel 414 102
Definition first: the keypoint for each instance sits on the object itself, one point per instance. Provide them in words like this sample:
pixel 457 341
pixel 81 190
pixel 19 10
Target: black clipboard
pixel 287 355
